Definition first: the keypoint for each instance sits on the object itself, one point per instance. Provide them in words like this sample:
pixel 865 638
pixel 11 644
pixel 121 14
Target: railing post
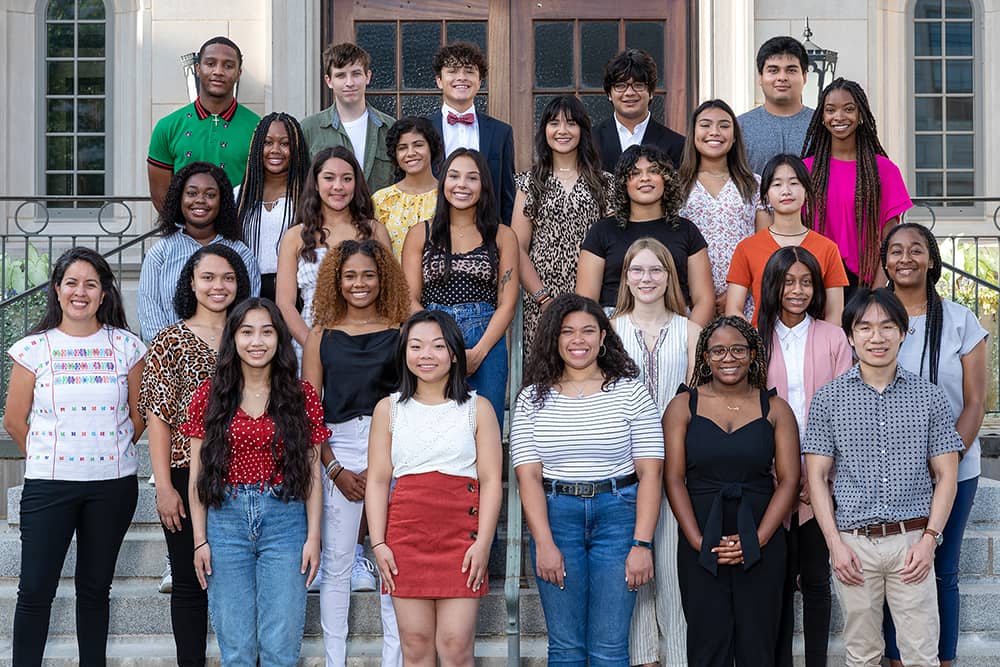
pixel 512 579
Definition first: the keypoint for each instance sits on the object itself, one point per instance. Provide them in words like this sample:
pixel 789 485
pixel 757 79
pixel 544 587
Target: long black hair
pixel 772 290
pixel 867 184
pixel 110 312
pixel 249 206
pixel 934 320
pixel 801 173
pixel 757 371
pixel 545 366
pixel 456 389
pixel 424 128
pixel 285 407
pixel 172 220
pixel 487 217
pixel 185 302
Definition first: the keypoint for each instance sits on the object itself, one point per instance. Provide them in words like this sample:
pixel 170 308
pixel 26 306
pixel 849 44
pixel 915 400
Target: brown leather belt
pixel 887 529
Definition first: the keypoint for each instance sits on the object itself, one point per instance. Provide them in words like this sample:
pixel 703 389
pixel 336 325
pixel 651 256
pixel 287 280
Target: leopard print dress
pixel 562 222
pixel 176 363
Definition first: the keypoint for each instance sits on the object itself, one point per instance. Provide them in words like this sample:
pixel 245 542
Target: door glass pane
pixel 59 154
pixel 58 184
pixel 540 102
pixel 929 152
pixel 91 77
pixel 959 113
pixel 91 36
pixel 554 55
pixel 420 40
pixel 959 39
pixel 467 31
pixel 59 116
pixel 421 105
pixel 60 40
pixel 927 76
pixel 648 36
pixel 598 107
pixel 379 40
pixel 656 106
pixel 384 103
pixel 960 152
pixel 61 78
pixel 598 45
pixel 927 113
pixel 61 10
pixel 90 153
pixel 927 39
pixel 930 184
pixel 959 76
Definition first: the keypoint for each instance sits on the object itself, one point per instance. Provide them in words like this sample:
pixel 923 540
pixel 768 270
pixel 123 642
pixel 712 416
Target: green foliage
pixel 16 319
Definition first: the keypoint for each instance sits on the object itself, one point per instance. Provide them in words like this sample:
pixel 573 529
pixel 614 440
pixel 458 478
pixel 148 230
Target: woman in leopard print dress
pixel 180 357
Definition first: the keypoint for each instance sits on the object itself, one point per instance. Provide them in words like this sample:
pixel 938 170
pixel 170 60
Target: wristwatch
pixel 938 537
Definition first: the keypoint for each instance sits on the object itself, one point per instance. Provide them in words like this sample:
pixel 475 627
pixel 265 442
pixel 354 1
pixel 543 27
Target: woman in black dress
pixel 722 437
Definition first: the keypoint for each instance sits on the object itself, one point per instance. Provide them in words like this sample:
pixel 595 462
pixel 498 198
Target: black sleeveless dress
pixel 732 611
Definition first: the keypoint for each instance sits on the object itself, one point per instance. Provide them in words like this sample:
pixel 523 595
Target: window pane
pixel 961 185
pixel 90 184
pixel 60 40
pixel 90 116
pixel 656 106
pixel 929 152
pixel 927 76
pixel 648 36
pixel 384 103
pixel 59 116
pixel 90 153
pixel 91 77
pixel 61 10
pixel 927 9
pixel 379 40
pixel 61 78
pixel 929 185
pixel 959 39
pixel 554 56
pixel 927 113
pixel 927 39
pixel 598 107
pixel 420 40
pixel 467 31
pixel 91 37
pixel 958 9
pixel 421 105
pixel 58 184
pixel 960 113
pixel 92 10
pixel 540 102
pixel 960 151
pixel 959 76
pixel 59 154
pixel 599 44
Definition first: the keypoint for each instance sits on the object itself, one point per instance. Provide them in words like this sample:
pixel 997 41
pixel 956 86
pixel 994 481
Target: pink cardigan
pixel 828 355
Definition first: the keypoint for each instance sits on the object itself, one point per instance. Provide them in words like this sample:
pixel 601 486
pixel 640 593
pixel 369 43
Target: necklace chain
pixel 802 233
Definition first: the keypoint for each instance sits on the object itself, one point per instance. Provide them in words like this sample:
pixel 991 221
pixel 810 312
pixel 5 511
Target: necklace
pixel 734 408
pixel 802 233
pixel 565 169
pixel 271 204
pixel 575 387
pixel 260 392
pixel 724 174
pixel 922 310
pixel 361 322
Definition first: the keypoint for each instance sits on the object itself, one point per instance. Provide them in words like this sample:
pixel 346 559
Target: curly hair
pixel 736 159
pixel 673 197
pixel 421 126
pixel 110 312
pixel 285 407
pixel 185 302
pixel 171 221
pixel 756 373
pixel 460 54
pixel 309 213
pixel 545 366
pixel 393 301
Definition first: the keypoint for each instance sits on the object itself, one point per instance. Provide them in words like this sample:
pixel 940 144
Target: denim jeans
pixel 490 379
pixel 256 592
pixel 588 620
pixel 946 571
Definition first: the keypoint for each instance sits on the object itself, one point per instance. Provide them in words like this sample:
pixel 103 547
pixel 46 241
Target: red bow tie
pixel 464 118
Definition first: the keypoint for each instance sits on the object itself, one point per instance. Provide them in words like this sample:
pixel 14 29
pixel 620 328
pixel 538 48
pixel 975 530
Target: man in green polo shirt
pixel 215 128
pixel 350 121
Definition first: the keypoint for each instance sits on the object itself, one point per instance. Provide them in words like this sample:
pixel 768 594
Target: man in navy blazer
pixel 629 81
pixel 459 68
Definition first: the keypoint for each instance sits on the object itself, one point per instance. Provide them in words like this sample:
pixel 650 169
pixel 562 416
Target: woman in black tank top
pixel 722 438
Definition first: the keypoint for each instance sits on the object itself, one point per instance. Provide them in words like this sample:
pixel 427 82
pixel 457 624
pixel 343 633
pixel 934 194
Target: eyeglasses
pixel 654 272
pixel 867 331
pixel 622 86
pixel 719 352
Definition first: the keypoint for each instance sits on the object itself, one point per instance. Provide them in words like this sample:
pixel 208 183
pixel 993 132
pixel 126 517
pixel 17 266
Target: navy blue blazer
pixel 658 135
pixel 496 143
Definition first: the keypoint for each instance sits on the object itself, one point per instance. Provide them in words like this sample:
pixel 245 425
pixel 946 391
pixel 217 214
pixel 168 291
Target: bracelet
pixel 544 300
pixel 337 474
pixel 538 294
pixel 644 545
pixel 331 465
pixel 378 545
pixel 201 545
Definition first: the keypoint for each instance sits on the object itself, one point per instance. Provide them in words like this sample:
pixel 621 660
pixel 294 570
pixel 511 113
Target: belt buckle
pixel 590 486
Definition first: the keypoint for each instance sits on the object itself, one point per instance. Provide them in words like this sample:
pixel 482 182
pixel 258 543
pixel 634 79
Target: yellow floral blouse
pixel 399 211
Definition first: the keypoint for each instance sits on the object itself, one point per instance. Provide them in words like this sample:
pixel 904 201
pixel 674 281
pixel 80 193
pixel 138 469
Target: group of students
pixel 368 384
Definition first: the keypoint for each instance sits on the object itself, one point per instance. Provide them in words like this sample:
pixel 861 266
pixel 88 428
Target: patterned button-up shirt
pixel 880 443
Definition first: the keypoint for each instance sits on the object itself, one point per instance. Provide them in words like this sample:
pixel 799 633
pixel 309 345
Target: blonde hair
pixel 673 300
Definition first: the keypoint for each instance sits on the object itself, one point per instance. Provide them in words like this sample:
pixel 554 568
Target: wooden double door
pixel 536 49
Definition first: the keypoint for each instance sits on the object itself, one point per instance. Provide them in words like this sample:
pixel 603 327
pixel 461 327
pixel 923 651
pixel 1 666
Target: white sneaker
pixel 167 583
pixel 363 575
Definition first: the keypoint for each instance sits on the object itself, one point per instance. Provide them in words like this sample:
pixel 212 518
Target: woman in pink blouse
pixel 255 493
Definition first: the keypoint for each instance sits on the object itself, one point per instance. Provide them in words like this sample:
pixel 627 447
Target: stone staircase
pixel 140 617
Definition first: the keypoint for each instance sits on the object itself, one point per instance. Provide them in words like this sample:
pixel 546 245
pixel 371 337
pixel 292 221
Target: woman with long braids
pixel 416 150
pixel 557 201
pixel 946 345
pixel 72 412
pixel 724 436
pixel 803 353
pixel 335 207
pixel 587 447
pixel 351 356
pixel 181 357
pixel 255 492
pixel 860 192
pixel 266 200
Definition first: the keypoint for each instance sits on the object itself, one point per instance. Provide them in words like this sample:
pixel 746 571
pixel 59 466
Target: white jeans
pixel 341 519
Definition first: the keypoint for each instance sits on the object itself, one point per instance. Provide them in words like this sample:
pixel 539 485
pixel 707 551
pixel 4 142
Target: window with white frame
pixel 76 156
pixel 944 87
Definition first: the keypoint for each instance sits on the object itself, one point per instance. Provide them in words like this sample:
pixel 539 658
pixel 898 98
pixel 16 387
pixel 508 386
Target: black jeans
pixel 51 512
pixel 188 602
pixel 809 570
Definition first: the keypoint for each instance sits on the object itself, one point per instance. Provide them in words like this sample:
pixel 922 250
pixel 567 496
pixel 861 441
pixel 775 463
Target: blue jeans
pixel 946 571
pixel 588 621
pixel 490 379
pixel 256 592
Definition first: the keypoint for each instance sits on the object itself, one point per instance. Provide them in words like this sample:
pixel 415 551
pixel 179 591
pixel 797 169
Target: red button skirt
pixel 433 519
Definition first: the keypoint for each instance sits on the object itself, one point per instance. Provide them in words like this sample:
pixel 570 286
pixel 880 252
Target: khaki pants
pixel 914 606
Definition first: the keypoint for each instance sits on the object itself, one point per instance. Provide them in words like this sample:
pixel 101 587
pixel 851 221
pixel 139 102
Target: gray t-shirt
pixel 766 135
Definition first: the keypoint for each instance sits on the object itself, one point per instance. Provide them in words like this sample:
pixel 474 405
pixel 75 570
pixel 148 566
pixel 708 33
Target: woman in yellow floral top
pixel 416 148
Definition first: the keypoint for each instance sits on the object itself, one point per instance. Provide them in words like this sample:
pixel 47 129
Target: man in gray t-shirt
pixel 779 126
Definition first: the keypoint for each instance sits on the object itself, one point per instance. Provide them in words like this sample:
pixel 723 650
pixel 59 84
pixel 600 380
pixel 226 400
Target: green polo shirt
pixel 192 134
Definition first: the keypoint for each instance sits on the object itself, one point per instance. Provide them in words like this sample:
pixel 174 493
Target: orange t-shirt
pixel 751 255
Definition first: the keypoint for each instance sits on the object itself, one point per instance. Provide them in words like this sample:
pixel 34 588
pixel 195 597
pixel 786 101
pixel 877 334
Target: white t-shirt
pixel 79 428
pixel 357 132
